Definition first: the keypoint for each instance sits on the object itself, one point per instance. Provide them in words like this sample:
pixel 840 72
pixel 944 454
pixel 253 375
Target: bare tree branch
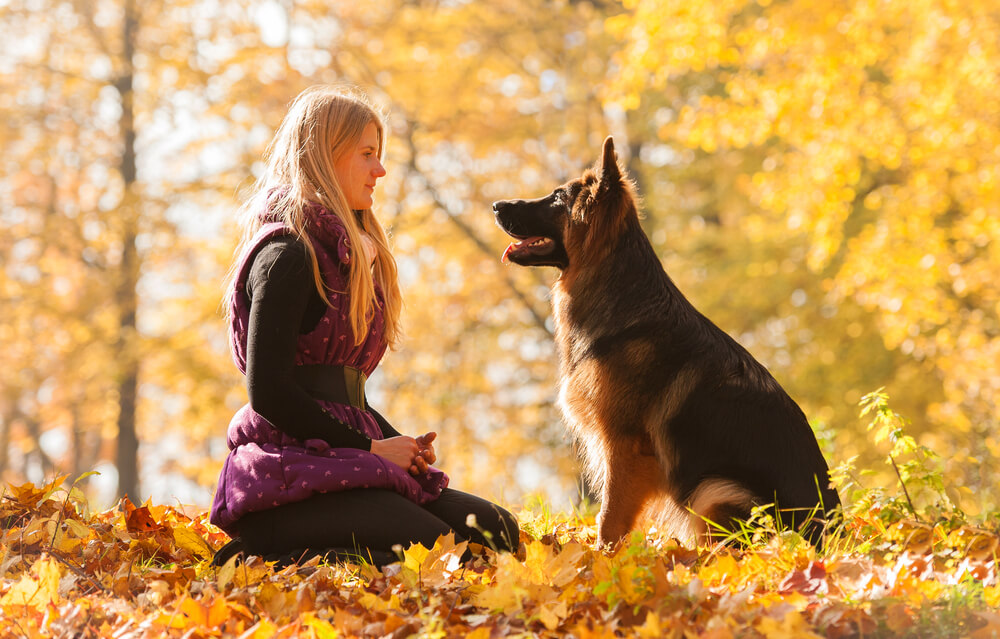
pixel 468 231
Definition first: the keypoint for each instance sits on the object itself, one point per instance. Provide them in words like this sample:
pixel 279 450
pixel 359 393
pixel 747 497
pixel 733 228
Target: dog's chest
pixel 590 393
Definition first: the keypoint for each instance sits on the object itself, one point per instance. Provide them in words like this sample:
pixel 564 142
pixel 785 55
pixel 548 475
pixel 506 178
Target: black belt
pixel 338 384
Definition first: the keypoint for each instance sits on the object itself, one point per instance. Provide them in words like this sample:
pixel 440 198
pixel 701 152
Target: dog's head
pixel 575 223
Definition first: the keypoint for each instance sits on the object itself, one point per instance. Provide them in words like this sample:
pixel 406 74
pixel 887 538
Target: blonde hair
pixel 323 123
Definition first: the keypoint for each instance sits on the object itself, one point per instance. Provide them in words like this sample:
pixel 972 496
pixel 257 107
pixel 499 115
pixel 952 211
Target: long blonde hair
pixel 323 123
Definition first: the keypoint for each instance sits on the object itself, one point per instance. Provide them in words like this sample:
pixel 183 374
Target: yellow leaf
pixel 505 598
pixel 53 487
pixel 249 573
pixel 77 528
pixel 442 560
pixel 791 626
pixel 414 556
pixel 723 571
pixel 551 615
pixel 372 602
pixel 226 573
pixel 70 535
pixel 38 591
pixel 651 629
pixel 991 595
pixel 278 604
pixel 510 588
pixel 555 569
pixel 38 531
pixel 482 632
pixel 263 629
pixel 192 542
pixel 320 627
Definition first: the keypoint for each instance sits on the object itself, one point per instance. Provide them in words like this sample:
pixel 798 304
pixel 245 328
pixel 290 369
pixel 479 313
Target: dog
pixel 677 421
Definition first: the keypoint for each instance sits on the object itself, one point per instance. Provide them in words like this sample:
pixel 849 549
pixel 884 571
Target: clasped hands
pixel 412 454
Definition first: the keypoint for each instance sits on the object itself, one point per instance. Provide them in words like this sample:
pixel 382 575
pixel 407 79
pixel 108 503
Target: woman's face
pixel 358 169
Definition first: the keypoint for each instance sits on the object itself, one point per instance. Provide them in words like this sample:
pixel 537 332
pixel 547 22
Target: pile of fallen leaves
pixel 144 571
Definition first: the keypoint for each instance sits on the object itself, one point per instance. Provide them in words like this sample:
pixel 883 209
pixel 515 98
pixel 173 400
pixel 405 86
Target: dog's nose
pixel 496 205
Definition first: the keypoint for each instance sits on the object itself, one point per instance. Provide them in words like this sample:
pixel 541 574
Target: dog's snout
pixel 499 204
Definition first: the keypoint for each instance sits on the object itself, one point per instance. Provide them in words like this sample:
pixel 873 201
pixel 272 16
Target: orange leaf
pixel 140 520
pixel 196 613
pixel 218 612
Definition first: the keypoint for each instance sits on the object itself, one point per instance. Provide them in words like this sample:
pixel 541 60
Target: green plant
pixel 916 465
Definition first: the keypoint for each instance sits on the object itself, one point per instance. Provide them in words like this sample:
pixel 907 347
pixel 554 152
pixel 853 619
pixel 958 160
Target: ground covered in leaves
pixel 144 572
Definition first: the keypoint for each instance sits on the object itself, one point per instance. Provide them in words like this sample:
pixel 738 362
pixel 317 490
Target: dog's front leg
pixel 629 482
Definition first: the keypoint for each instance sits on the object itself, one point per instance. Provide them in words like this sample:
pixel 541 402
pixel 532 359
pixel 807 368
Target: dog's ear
pixel 610 171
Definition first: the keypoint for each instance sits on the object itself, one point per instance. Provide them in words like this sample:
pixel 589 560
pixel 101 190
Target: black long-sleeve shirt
pixel 284 303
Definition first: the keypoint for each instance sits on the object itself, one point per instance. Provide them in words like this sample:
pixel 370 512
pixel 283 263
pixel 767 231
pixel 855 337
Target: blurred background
pixel 820 178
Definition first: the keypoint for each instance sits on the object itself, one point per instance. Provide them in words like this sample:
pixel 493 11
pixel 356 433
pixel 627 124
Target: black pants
pixel 370 521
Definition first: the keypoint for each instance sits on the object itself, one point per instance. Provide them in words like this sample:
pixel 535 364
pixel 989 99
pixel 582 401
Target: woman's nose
pixel 379 170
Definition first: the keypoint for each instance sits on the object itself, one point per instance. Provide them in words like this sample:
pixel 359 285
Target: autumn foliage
pixel 144 572
pixel 821 178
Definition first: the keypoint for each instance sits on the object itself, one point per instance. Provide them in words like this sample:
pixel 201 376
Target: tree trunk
pixel 5 422
pixel 127 456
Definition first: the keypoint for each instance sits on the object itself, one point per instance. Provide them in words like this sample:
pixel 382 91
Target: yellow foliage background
pixel 820 179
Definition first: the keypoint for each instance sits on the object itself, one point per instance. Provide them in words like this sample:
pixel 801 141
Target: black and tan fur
pixel 676 419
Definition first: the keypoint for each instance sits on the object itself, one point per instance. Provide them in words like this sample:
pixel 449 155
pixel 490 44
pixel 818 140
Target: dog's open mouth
pixel 529 246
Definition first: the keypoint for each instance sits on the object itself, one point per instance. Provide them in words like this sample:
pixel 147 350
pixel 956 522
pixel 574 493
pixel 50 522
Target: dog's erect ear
pixel 610 172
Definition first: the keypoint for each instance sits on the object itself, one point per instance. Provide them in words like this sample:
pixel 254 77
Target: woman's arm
pixel 280 287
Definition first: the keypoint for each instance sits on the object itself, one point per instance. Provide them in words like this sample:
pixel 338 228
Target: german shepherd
pixel 676 420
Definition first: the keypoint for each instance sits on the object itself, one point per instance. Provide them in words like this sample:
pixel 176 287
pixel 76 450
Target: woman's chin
pixel 362 203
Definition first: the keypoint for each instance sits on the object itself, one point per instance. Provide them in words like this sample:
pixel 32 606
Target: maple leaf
pixel 37 589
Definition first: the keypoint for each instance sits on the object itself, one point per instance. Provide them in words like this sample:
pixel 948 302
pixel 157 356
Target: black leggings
pixel 370 521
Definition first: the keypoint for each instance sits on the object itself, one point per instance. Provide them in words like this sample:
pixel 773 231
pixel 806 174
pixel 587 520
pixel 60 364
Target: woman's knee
pixel 477 519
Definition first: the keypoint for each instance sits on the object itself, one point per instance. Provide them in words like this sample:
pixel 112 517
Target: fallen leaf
pixel 810 581
pixel 192 542
pixel 37 589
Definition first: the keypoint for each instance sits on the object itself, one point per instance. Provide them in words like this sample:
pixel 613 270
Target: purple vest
pixel 267 468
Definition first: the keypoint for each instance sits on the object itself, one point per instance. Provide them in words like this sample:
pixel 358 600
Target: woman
pixel 313 304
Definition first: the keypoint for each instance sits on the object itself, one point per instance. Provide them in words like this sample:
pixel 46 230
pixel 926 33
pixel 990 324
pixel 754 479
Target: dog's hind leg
pixel 716 505
pixel 631 480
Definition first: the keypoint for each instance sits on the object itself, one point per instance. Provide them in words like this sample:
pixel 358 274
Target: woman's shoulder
pixel 280 257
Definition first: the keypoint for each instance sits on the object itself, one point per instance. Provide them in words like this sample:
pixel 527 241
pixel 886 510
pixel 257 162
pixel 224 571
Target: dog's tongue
pixel 518 245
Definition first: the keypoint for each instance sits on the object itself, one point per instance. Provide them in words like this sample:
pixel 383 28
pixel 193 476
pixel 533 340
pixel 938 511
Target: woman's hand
pixel 401 450
pixel 426 456
pixel 412 455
